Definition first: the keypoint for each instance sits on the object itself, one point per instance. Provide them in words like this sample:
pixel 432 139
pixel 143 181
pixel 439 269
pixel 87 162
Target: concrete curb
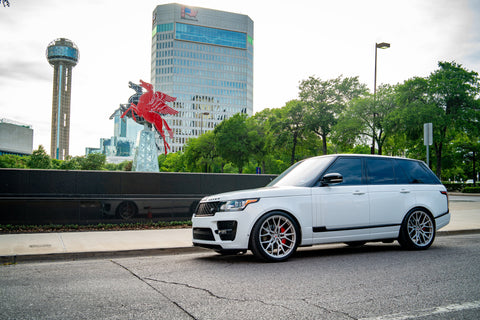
pixel 72 256
pixel 457 232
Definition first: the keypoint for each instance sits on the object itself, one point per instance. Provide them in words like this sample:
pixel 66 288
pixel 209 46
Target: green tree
pixel 453 91
pixel 266 153
pixel 171 162
pixel 446 99
pixel 39 159
pixel 258 137
pixel 13 161
pixel 200 153
pixel 232 140
pixel 468 149
pixel 365 119
pixel 70 163
pixel 93 161
pixel 290 125
pixel 325 100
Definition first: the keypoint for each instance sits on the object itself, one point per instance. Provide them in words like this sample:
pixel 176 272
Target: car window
pixel 380 171
pixel 401 176
pixel 417 172
pixel 350 168
pixel 302 174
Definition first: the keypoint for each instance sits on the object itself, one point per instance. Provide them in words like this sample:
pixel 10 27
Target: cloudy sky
pixel 293 40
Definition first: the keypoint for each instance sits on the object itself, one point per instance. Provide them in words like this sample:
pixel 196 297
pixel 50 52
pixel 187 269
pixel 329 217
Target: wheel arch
pixel 279 211
pixel 405 239
pixel 420 208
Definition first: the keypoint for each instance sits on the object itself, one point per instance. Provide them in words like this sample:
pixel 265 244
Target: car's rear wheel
pixel 127 210
pixel 418 230
pixel 275 237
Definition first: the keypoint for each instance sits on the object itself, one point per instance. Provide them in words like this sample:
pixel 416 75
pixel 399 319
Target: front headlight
pixel 236 205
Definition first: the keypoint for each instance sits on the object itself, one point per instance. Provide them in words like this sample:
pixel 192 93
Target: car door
pixel 390 195
pixel 342 209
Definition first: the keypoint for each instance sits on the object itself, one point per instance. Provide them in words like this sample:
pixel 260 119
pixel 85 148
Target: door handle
pixel 358 193
pixel 404 191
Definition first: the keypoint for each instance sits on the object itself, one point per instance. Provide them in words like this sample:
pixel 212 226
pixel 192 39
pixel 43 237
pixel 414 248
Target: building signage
pixel 189 13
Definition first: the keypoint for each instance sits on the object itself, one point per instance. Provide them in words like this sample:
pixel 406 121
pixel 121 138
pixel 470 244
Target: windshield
pixel 302 174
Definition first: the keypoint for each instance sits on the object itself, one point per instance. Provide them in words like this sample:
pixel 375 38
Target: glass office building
pixel 204 58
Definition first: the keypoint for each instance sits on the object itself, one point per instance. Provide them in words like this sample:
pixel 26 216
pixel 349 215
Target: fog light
pixel 227 230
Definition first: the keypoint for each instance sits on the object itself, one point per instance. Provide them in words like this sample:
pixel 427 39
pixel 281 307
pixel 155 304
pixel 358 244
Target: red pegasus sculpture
pixel 151 106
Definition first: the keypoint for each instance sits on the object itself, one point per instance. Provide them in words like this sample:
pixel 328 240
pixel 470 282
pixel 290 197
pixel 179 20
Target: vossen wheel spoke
pixel 277 236
pixel 420 228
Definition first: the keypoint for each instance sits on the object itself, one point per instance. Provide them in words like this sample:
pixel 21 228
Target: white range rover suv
pixel 336 198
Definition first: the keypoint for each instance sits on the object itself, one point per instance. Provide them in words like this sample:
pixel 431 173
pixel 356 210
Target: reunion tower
pixel 63 55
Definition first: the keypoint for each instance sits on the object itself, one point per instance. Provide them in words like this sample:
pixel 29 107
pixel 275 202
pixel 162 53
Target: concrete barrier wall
pixel 90 197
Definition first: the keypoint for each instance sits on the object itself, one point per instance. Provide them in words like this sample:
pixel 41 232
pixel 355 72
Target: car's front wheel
pixel 275 237
pixel 418 230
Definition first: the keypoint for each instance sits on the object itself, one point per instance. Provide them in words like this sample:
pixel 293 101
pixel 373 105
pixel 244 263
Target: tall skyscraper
pixel 63 55
pixel 204 58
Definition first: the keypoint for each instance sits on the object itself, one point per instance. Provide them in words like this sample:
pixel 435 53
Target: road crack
pixel 186 285
pixel 329 311
pixel 155 289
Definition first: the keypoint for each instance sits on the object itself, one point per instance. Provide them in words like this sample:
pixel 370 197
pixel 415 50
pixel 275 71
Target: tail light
pixel 446 194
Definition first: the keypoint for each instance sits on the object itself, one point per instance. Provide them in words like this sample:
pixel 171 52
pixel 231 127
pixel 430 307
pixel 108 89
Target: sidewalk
pixel 465 218
pixel 73 245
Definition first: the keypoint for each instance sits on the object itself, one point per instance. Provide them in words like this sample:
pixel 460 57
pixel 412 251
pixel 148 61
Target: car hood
pixel 266 192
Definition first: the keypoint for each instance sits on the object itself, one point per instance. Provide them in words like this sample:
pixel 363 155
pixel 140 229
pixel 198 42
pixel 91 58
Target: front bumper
pixel 224 230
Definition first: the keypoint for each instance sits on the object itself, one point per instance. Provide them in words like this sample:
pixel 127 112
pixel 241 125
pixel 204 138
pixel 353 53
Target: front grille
pixel 203 234
pixel 207 209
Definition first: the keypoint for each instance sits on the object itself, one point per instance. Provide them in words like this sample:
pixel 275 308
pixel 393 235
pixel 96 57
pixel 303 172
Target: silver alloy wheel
pixel 277 236
pixel 420 228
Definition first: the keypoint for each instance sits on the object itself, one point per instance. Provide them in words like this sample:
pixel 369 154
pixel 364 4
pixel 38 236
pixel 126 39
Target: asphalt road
pixel 377 281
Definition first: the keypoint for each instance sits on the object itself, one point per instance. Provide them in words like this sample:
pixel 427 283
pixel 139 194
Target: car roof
pixel 364 155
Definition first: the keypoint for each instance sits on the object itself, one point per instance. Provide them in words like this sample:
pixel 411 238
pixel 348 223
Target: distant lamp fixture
pixel 381 45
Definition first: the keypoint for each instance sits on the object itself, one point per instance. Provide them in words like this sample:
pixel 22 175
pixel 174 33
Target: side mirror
pixel 331 178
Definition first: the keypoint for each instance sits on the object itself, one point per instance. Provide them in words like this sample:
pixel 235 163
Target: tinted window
pixel 349 168
pixel 400 175
pixel 417 172
pixel 380 171
pixel 303 173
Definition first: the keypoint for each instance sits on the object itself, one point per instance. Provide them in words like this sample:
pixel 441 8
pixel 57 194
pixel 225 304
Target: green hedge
pixel 461 187
pixel 471 190
pixel 454 187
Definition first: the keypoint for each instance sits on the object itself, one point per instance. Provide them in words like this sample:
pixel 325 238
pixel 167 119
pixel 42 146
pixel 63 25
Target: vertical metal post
pixel 428 139
pixel 374 100
pixel 382 45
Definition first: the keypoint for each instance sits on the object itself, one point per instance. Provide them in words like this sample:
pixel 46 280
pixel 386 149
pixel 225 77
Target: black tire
pixel 127 210
pixel 275 237
pixel 418 230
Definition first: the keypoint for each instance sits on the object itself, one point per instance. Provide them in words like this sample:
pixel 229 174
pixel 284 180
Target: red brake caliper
pixel 282 230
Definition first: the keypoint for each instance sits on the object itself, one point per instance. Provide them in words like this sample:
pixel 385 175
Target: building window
pixel 210 35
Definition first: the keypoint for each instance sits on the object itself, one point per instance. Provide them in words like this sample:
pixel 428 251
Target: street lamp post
pixel 382 45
